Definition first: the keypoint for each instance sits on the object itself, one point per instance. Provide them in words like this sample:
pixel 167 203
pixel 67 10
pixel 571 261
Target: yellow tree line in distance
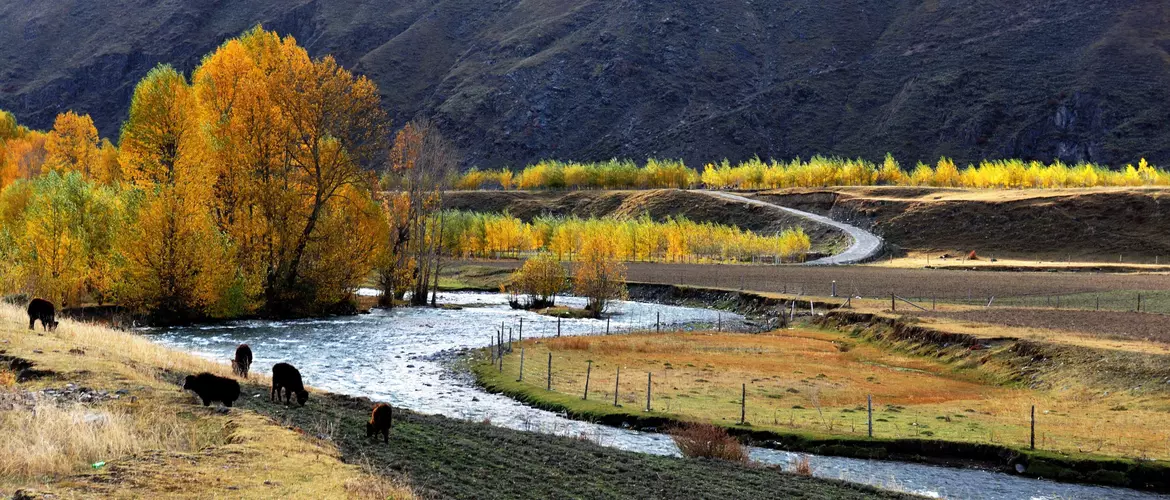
pixel 818 171
pixel 676 239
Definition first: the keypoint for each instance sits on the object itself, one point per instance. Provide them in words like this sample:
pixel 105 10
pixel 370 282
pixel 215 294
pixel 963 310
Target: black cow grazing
pixel 286 377
pixel 43 310
pixel 213 388
pixel 381 420
pixel 243 361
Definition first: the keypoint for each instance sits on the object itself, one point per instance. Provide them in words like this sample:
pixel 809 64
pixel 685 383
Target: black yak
pixel 243 361
pixel 43 310
pixel 286 377
pixel 381 420
pixel 213 388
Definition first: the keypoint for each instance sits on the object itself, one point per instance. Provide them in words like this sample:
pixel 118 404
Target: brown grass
pixel 802 380
pixel 708 441
pixel 570 343
pixel 50 439
pixel 154 440
pixel 801 465
pixel 1102 324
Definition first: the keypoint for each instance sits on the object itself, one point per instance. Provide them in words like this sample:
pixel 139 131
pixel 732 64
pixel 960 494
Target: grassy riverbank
pixel 806 391
pixel 155 440
pixel 101 395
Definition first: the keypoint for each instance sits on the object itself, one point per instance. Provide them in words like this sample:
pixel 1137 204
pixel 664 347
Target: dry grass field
pixel 151 437
pixel 878 282
pixel 816 382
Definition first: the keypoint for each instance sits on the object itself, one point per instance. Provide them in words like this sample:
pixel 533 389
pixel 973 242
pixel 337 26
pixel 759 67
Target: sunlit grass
pixel 155 440
pixel 818 382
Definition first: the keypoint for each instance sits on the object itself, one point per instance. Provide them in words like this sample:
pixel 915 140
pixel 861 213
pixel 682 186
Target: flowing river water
pixel 403 356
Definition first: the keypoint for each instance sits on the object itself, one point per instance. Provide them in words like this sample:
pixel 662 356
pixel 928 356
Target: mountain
pixel 513 81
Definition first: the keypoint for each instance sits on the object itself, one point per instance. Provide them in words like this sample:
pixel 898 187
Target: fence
pixel 1040 425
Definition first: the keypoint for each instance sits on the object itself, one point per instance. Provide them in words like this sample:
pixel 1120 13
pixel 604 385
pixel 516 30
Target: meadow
pixel 812 382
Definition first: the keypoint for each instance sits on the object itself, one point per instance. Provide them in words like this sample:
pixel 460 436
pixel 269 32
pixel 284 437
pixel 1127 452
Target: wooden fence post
pixel 607 326
pixel 658 322
pixel 521 333
pixel 893 305
pixel 588 371
pixel 558 326
pixel 649 378
pixel 521 378
pixel 834 294
pixel 743 405
pixel 549 371
pixel 719 323
pixel 1032 444
pixel 869 411
pixel 617 379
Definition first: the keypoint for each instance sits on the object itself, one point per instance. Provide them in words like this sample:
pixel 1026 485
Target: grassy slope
pixel 457 459
pixel 159 443
pixel 513 82
pixel 1115 226
pixel 263 449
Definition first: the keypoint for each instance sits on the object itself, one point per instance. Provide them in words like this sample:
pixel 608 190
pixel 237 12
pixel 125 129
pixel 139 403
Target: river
pixel 403 356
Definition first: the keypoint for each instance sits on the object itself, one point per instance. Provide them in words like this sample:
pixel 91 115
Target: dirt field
pixel 876 282
pixel 1103 324
pixel 1099 224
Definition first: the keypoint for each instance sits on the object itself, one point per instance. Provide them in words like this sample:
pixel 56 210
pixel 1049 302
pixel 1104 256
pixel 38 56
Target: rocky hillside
pixel 517 80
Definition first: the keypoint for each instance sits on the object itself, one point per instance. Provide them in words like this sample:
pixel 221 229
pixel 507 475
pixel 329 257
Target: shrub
pixel 572 344
pixel 801 466
pixel 541 279
pixel 708 441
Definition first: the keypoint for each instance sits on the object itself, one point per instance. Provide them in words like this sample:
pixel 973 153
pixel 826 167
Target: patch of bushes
pixel 708 441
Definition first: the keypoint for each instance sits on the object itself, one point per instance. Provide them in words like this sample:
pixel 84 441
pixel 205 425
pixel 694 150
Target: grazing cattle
pixel 243 361
pixel 381 420
pixel 213 388
pixel 286 377
pixel 43 310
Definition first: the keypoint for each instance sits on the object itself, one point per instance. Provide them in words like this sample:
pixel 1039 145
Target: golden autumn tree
pixel 421 163
pixel 175 257
pixel 73 145
pixel 599 275
pixel 393 264
pixel 540 279
pixel 290 138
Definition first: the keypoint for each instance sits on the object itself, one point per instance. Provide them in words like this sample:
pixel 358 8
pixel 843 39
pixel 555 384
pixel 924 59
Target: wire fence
pixel 1043 423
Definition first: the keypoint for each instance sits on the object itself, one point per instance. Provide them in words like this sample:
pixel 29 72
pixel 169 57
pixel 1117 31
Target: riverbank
pixel 260 449
pixel 110 420
pixel 809 401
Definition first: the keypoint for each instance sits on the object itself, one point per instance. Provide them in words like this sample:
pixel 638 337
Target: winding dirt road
pixel 865 244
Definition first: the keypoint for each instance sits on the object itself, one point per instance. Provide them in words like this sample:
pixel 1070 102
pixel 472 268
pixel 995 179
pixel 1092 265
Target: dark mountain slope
pixel 517 80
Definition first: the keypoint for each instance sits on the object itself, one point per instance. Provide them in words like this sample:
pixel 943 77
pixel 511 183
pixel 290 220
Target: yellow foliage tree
pixel 540 279
pixel 176 259
pixel 599 276
pixel 73 145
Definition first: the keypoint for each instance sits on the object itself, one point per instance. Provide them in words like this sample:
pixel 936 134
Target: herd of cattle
pixel 286 379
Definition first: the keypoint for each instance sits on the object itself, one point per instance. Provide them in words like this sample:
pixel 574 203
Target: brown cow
pixel 381 420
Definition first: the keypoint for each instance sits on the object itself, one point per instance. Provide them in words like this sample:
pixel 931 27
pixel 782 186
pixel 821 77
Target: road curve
pixel 865 244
